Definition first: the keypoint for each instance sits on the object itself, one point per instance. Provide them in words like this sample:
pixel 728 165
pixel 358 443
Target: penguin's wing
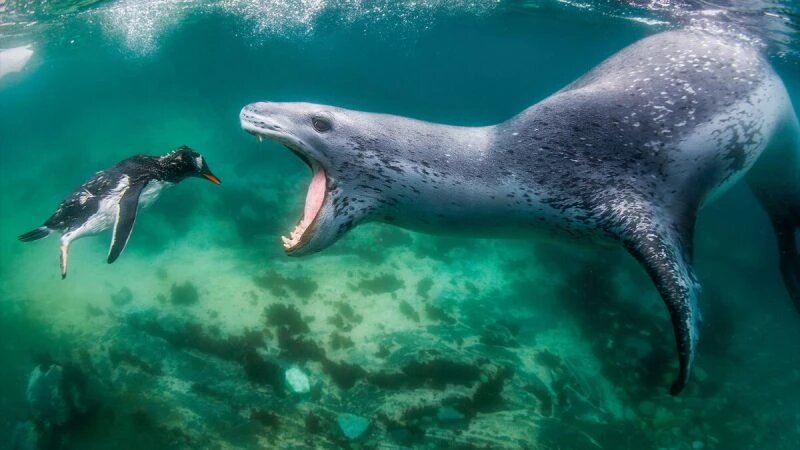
pixel 126 216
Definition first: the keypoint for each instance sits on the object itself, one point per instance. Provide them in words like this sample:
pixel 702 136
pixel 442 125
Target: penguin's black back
pixel 84 201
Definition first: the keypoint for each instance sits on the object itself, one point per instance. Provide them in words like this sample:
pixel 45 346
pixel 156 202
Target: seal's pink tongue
pixel 314 199
pixel 315 196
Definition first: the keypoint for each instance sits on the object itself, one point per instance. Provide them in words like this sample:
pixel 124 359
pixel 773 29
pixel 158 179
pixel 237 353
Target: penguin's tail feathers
pixel 35 234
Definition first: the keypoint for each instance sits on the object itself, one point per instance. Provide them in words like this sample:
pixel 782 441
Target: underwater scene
pixel 380 320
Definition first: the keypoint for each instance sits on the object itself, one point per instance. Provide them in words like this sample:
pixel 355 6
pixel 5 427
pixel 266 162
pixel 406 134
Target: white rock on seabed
pixel 298 381
pixel 14 59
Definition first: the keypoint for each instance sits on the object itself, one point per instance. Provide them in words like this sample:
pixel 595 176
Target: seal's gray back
pixel 672 118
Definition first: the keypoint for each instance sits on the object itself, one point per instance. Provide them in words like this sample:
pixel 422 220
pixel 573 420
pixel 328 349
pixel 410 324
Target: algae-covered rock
pixel 184 294
pixel 448 414
pixel 122 297
pixel 499 334
pixel 419 390
pixel 56 394
pixel 26 437
pixel 407 310
pixel 287 317
pixel 281 285
pixel 352 426
pixel 380 284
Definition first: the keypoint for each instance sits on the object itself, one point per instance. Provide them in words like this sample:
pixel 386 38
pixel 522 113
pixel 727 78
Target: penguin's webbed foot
pixel 64 257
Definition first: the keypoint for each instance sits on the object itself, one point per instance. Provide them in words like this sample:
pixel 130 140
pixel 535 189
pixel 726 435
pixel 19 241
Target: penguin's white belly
pixel 103 219
pixel 151 192
pixel 108 208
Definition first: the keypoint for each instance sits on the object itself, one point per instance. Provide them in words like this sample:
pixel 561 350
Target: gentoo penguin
pixel 112 196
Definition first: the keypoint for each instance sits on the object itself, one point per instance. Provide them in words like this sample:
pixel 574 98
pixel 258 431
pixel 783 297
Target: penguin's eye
pixel 321 124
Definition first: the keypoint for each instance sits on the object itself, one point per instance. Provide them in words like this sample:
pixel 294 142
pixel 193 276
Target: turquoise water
pixel 435 342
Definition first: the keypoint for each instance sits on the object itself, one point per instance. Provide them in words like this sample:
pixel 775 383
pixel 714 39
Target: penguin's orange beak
pixel 206 173
pixel 211 178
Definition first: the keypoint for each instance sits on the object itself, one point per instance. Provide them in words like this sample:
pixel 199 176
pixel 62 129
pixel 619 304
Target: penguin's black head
pixel 185 162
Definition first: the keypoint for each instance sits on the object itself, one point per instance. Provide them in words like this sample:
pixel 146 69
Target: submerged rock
pixel 184 294
pixel 340 341
pixel 280 285
pixel 286 317
pixel 409 311
pixel 25 437
pixel 298 381
pixel 424 287
pixel 56 395
pixel 541 393
pixel 380 284
pixel 448 414
pixel 352 426
pixel 122 297
pixel 438 314
pixel 500 335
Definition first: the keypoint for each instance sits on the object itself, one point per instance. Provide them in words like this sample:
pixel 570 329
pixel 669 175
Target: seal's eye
pixel 321 124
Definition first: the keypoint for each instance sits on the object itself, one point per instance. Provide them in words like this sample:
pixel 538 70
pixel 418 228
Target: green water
pixel 536 344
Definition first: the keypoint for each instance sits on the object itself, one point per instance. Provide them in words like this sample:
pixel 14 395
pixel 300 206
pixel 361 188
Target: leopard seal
pixel 630 152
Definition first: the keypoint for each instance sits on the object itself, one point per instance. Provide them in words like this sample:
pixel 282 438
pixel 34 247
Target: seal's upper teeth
pixel 259 137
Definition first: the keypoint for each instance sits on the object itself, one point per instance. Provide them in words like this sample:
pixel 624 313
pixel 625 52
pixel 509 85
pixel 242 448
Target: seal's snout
pixel 256 119
pixel 255 109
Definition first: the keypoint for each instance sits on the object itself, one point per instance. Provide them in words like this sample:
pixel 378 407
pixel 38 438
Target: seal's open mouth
pixel 317 189
pixel 315 197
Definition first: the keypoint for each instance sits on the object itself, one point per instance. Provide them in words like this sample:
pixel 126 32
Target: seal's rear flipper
pixel 788 259
pixel 665 255
pixel 775 180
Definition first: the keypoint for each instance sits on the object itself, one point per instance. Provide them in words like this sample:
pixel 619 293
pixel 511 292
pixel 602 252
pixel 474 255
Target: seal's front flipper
pixel 126 217
pixel 662 252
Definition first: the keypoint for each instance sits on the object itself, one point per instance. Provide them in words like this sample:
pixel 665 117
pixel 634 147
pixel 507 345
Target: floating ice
pixel 14 59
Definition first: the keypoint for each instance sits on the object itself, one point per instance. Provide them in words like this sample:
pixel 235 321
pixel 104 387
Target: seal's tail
pixel 775 180
pixel 35 234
